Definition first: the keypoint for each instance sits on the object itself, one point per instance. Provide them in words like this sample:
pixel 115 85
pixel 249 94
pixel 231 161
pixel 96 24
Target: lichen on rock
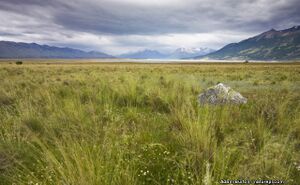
pixel 221 94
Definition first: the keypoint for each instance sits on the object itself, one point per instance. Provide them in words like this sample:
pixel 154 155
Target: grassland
pixel 91 124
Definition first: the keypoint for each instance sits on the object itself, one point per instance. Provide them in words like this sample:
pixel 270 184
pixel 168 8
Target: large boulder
pixel 221 94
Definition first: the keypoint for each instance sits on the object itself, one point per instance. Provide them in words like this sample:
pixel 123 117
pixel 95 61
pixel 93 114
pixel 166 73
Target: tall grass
pixel 141 124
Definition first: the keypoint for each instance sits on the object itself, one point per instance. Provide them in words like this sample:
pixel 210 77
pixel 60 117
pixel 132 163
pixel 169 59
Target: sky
pixel 121 26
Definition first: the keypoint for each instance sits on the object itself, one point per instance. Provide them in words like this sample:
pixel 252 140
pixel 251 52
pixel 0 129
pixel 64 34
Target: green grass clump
pixel 141 124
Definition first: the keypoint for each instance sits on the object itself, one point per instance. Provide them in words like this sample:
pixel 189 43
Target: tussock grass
pixel 141 124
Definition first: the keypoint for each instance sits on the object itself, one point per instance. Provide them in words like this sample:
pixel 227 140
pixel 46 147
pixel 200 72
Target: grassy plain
pixel 105 123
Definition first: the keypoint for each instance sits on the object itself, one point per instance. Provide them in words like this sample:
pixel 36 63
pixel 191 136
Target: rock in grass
pixel 221 94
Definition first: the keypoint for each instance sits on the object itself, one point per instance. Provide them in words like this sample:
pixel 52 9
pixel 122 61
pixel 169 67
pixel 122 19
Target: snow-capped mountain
pixel 177 54
pixel 190 52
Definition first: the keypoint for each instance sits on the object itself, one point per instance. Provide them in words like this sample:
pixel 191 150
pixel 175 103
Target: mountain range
pixel 177 54
pixel 270 45
pixel 10 49
pixel 32 50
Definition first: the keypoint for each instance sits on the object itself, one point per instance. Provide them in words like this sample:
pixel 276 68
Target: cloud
pixel 122 25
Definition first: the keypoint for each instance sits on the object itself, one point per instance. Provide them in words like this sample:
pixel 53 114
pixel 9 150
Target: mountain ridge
pixel 10 49
pixel 269 45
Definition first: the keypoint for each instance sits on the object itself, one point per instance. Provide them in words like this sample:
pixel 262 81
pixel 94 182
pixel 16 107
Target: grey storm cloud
pixel 138 17
pixel 54 18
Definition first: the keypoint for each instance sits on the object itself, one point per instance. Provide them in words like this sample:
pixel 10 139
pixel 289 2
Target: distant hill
pixel 33 50
pixel 177 54
pixel 270 45
pixel 145 54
